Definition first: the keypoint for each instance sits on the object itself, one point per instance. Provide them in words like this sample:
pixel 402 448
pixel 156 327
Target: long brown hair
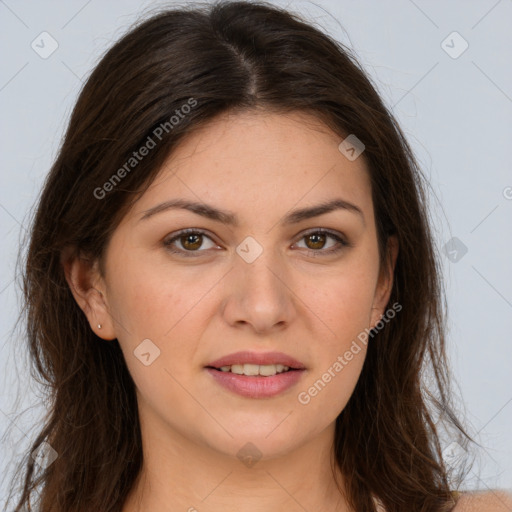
pixel 218 58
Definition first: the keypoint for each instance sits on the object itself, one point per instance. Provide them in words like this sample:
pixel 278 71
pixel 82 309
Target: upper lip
pixel 259 358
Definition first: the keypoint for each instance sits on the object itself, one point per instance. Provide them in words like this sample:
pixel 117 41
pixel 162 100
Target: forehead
pixel 261 161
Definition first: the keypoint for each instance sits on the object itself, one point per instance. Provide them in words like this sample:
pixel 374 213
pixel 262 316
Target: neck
pixel 182 474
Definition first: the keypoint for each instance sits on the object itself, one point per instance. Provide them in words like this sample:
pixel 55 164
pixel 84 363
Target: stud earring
pixel 99 326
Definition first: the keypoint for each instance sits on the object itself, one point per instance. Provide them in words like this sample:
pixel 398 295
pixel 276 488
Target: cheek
pixel 342 306
pixel 169 307
pixel 153 301
pixel 341 303
pixel 343 312
pixel 328 389
pixel 157 309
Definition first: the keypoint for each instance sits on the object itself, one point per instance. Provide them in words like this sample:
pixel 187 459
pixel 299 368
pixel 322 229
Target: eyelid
pixel 169 240
pixel 325 231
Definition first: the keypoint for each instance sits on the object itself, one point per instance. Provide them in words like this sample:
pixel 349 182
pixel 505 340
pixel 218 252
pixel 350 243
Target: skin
pixel 259 165
pixel 493 501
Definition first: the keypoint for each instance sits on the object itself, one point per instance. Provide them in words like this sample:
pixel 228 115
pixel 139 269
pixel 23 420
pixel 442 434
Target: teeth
pixel 265 370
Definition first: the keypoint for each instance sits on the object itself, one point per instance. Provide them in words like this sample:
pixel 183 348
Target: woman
pixel 231 284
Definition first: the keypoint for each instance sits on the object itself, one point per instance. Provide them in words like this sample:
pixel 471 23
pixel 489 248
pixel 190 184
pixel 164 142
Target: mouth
pixel 256 375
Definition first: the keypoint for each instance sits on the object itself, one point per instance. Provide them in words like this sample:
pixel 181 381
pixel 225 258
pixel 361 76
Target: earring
pixel 99 326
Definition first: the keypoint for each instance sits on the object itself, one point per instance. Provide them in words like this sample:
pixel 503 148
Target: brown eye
pixel 317 240
pixel 191 241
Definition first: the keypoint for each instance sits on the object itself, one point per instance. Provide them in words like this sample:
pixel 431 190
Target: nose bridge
pixel 260 264
pixel 261 296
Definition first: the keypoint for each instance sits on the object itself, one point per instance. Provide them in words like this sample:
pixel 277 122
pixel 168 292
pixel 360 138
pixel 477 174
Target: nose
pixel 260 294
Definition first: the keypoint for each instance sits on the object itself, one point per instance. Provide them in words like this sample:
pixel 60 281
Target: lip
pixel 259 358
pixel 255 386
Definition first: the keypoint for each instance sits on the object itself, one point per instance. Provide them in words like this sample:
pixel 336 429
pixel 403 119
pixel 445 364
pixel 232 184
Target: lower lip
pixel 256 387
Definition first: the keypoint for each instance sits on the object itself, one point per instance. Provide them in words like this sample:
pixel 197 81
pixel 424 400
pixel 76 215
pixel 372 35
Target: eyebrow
pixel 231 219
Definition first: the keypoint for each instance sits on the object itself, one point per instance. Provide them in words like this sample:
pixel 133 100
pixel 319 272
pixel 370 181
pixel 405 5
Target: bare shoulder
pixel 490 501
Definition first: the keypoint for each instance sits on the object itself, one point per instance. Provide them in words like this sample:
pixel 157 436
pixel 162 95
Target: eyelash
pixel 342 243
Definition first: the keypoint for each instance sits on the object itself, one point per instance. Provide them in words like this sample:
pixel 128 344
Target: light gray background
pixel 456 112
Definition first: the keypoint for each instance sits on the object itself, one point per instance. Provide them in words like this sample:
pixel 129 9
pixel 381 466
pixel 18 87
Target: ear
pixel 385 281
pixel 89 290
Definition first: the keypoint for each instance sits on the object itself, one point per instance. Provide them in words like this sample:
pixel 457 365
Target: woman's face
pixel 265 282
